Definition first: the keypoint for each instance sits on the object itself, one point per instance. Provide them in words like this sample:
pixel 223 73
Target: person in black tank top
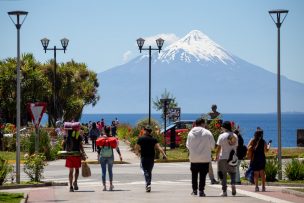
pixel 146 148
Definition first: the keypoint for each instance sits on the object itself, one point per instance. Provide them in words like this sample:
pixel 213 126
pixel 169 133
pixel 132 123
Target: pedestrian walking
pixel 94 133
pixel 113 128
pixel 200 143
pixel 105 155
pixel 146 146
pixel 225 152
pixel 73 143
pixel 257 147
pixel 241 154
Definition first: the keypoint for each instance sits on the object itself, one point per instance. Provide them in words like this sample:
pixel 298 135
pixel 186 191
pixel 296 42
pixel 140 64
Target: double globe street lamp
pixel 276 17
pixel 140 43
pixel 18 14
pixel 45 43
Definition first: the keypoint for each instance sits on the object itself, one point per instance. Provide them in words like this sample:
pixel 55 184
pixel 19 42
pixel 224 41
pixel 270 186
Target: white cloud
pixel 126 56
pixel 169 39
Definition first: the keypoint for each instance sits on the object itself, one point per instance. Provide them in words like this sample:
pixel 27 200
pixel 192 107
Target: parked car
pixel 174 130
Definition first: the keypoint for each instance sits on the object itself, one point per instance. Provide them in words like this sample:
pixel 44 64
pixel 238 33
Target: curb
pixel 25 198
pixel 293 192
pixel 285 184
pixel 46 184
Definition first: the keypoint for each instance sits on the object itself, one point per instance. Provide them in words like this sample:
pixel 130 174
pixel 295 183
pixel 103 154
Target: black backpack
pixel 241 149
pixel 241 152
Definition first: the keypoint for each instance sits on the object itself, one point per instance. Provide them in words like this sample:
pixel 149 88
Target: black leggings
pixel 94 145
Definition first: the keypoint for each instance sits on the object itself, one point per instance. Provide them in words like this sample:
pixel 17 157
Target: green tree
pixel 158 105
pixel 76 87
pixel 34 86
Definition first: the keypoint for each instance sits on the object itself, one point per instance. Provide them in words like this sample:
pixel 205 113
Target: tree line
pixel 76 87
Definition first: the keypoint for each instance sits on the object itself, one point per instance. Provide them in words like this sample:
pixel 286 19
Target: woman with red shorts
pixel 74 143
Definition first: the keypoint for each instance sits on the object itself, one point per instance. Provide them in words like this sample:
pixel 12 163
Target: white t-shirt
pixel 226 147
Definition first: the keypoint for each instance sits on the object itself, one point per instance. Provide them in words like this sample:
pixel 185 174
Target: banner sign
pixel 174 114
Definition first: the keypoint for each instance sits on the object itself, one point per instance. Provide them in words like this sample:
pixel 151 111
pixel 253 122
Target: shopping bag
pixel 249 174
pixel 85 170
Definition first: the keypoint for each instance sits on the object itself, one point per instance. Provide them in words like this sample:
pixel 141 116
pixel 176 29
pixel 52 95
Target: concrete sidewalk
pixel 171 183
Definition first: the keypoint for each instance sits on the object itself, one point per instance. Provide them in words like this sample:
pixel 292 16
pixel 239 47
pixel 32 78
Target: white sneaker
pixel 104 188
pixel 223 194
pixel 148 188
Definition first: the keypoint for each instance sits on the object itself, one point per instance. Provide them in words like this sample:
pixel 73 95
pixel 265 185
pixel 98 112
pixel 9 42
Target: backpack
pixel 241 152
pixel 233 159
pixel 106 152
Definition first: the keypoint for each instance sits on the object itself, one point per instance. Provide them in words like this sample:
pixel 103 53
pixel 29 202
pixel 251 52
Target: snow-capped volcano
pixel 195 46
pixel 198 72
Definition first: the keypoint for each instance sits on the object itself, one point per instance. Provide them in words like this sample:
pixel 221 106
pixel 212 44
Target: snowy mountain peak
pixel 195 46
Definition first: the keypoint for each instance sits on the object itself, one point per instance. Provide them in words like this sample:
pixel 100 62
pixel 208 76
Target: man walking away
pixel 146 146
pixel 226 149
pixel 200 142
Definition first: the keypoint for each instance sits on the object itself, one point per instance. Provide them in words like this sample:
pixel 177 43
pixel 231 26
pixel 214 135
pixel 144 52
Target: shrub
pixel 9 144
pixel 294 170
pixel 124 131
pixel 5 169
pixel 34 166
pixel 55 148
pixel 215 128
pixel 44 144
pixel 183 137
pixel 271 169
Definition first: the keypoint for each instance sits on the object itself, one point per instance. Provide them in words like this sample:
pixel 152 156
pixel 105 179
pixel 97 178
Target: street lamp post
pixel 165 103
pixel 140 43
pixel 18 25
pixel 276 17
pixel 45 43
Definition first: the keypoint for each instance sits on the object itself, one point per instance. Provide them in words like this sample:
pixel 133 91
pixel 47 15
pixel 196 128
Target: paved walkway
pixel 162 190
pixel 127 155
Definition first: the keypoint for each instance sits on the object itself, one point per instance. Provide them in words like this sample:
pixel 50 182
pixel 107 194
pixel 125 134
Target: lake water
pixel 247 122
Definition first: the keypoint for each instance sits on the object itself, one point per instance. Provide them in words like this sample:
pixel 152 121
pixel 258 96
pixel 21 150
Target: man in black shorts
pixel 146 145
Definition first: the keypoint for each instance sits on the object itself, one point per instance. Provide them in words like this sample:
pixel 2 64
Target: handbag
pixel 85 170
pixel 249 174
pixel 251 149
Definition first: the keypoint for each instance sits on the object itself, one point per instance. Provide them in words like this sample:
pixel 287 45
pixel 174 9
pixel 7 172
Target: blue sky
pixel 102 33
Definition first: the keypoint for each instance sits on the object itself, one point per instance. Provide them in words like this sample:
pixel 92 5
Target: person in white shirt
pixel 200 142
pixel 227 143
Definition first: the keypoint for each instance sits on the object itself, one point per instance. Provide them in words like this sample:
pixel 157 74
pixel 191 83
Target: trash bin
pixel 172 138
pixel 300 137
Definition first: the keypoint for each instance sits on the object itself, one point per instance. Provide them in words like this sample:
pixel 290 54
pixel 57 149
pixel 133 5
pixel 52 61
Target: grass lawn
pixel 291 181
pixel 11 156
pixel 10 197
pixel 288 152
pixel 177 154
pixel 297 189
